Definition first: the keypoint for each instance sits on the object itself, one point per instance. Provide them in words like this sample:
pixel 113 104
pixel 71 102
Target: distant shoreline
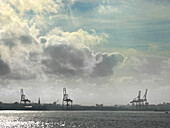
pixel 59 107
pixel 88 110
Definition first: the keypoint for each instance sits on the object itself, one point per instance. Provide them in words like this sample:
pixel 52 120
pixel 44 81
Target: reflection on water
pixel 83 119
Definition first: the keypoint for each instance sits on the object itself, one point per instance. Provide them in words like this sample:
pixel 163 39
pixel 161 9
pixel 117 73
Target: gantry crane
pixel 24 99
pixel 138 101
pixel 66 100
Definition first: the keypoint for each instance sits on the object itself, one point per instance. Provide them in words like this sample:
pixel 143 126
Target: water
pixel 83 119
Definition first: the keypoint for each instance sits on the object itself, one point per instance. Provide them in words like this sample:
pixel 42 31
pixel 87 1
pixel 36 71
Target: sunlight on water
pixel 30 124
pixel 57 119
pixel 14 111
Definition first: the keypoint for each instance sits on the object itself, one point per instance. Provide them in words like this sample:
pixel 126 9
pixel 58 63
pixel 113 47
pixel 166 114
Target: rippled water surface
pixel 83 119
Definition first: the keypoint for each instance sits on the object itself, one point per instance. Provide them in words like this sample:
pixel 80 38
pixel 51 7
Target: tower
pixel 39 103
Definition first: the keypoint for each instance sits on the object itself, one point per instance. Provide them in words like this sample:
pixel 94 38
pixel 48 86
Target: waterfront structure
pixel 139 102
pixel 66 100
pixel 24 99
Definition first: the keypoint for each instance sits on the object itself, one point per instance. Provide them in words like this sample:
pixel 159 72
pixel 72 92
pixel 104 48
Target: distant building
pixel 99 105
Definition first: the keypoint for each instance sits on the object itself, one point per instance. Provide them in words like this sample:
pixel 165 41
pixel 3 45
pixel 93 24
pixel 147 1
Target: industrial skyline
pixel 102 51
pixel 137 104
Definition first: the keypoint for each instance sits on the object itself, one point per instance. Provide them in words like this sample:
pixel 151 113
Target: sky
pixel 102 51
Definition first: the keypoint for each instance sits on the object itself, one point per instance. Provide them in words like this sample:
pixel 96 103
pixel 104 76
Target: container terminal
pixel 137 104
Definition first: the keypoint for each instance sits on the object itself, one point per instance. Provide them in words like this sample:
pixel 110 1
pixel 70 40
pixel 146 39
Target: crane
pixel 138 100
pixel 66 100
pixel 24 99
pixel 144 99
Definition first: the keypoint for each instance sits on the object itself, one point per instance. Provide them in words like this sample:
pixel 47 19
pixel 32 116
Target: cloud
pixel 66 59
pixel 51 44
pixel 7 16
pixel 107 9
pixel 4 68
pixel 36 5
pixel 145 68
pixel 105 63
pixel 64 53
pixel 69 60
pixel 59 53
pixel 79 38
pixel 12 39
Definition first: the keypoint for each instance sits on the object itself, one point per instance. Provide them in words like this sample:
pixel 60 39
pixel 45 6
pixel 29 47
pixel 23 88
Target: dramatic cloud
pixel 92 47
pixel 68 60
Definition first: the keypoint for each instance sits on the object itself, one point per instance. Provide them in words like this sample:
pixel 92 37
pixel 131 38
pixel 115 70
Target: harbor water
pixel 84 119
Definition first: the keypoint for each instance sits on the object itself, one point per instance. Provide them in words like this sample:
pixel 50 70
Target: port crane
pixel 24 99
pixel 140 101
pixel 66 100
